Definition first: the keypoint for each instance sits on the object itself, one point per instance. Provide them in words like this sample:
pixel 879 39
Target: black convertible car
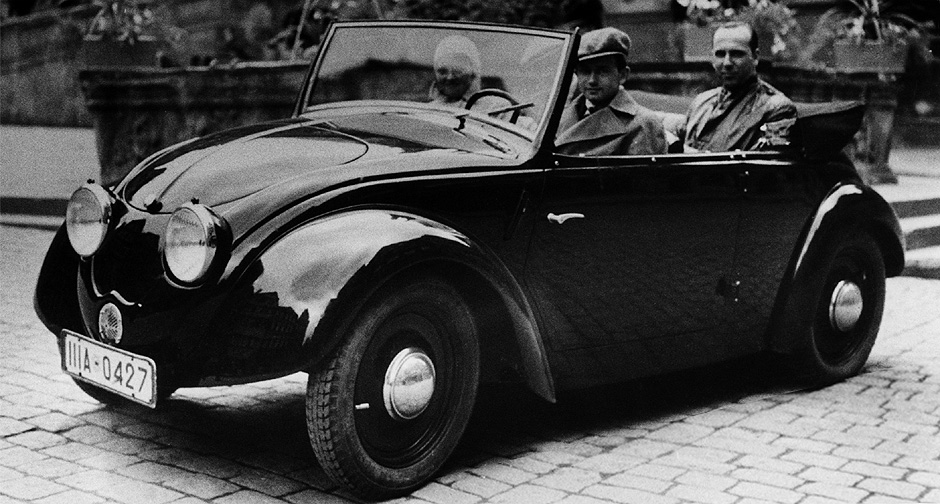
pixel 401 251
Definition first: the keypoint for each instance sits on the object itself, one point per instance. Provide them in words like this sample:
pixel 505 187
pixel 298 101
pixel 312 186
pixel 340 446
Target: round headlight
pixel 191 241
pixel 86 218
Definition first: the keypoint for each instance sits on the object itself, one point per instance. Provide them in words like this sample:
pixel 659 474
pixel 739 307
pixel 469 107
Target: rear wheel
pixel 385 414
pixel 845 306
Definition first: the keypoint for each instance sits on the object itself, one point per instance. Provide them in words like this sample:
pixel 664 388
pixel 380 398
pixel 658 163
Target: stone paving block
pixel 927 479
pixel 609 463
pixel 627 495
pixel 504 473
pixel 569 479
pixel 581 499
pixel 829 476
pixel 932 496
pixel 55 422
pixel 530 494
pixel 52 468
pixel 691 493
pixel 247 497
pixel 901 489
pixel 741 446
pixel 847 438
pixel 819 459
pixel 7 474
pixel 865 455
pixel 638 482
pixel 441 494
pixel 11 426
pixel 699 479
pixel 681 433
pixel 316 497
pixel 267 482
pixel 135 492
pixel 838 492
pixel 531 465
pixel 875 470
pixel 37 439
pixel 93 480
pixel 807 445
pixel 768 478
pixel 658 471
pixel 30 488
pixel 645 449
pixel 765 492
pixel 482 487
pixel 73 451
pixel 73 497
pixel 717 418
pixel 18 456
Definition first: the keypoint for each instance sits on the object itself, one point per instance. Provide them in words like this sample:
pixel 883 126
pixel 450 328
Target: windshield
pixel 510 74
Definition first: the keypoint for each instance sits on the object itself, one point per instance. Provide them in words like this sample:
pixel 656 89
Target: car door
pixel 781 195
pixel 630 263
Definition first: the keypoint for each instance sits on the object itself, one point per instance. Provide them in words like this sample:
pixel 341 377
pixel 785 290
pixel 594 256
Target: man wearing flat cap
pixel 604 119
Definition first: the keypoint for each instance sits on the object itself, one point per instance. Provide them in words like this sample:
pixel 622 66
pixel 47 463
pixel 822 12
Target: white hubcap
pixel 845 308
pixel 409 384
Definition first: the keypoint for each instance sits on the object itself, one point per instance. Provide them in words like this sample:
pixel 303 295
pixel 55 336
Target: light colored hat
pixel 458 51
pixel 604 42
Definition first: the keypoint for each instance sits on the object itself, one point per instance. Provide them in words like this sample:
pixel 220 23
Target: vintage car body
pixel 437 248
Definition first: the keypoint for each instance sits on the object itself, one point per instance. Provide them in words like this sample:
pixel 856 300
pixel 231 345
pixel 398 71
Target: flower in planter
pixel 871 22
pixel 774 22
pixel 121 20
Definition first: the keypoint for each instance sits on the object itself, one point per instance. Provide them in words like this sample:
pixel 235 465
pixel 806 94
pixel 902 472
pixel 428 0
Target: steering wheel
pixel 515 107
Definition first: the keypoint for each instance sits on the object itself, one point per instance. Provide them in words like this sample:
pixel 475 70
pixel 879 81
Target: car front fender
pixel 847 208
pixel 320 271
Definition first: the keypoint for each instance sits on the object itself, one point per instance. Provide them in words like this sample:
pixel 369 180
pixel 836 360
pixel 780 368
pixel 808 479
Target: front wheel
pixel 388 410
pixel 846 303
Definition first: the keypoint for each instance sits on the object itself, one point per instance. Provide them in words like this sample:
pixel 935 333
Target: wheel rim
pixel 409 384
pixel 397 424
pixel 845 308
pixel 845 313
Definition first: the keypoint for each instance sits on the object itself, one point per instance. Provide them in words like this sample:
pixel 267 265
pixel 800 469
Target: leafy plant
pixel 121 20
pixel 768 18
pixel 883 20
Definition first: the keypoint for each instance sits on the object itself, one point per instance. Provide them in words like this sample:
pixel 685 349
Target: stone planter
pixel 869 57
pixel 137 110
pixel 97 52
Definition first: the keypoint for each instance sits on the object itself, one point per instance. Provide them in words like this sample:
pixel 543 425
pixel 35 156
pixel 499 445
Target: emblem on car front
pixel 110 325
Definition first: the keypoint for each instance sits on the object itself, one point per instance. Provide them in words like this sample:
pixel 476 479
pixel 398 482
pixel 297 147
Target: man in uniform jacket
pixel 604 119
pixel 744 112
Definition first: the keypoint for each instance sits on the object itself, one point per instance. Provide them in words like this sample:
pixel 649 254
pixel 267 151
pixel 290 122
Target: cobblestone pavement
pixel 728 434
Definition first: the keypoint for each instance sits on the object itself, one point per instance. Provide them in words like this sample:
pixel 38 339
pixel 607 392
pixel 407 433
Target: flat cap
pixel 604 42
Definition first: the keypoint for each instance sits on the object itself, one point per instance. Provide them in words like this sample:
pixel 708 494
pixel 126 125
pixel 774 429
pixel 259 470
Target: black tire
pixel 830 353
pixel 369 451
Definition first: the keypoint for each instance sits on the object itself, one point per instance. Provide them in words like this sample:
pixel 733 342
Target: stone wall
pixel 38 73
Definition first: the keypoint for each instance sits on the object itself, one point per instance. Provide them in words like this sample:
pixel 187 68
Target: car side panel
pixel 628 286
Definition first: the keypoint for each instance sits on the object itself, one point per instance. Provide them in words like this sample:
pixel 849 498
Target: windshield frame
pixel 558 89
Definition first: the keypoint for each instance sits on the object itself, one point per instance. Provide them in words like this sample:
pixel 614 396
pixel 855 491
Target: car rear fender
pixel 324 269
pixel 848 208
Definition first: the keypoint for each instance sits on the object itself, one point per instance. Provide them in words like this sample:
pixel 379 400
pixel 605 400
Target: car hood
pixel 305 155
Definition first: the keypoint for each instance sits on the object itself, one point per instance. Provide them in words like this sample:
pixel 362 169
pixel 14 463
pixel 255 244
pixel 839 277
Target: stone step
pixel 923 263
pixel 917 207
pixel 921 231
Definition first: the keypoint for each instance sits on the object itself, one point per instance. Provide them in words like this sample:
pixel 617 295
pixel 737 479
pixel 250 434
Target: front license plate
pixel 119 371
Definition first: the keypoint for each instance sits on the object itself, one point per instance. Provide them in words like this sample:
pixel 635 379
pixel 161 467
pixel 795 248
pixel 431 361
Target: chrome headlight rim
pixel 214 235
pixel 82 245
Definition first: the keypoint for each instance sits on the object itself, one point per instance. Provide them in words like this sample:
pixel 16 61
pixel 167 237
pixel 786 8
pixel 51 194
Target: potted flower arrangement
pixel 121 34
pixel 774 23
pixel 869 35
